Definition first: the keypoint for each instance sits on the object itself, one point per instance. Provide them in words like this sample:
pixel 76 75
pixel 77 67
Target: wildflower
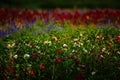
pixel 118 52
pixel 59 51
pixel 81 44
pixel 83 66
pixel 65 45
pixel 59 60
pixel 98 37
pixel 12 62
pixel 32 73
pixel 37 47
pixel 11 45
pixel 108 46
pixel 26 56
pixel 42 66
pixel 103 49
pixel 75 39
pixel 81 34
pixel 74 51
pixel 93 73
pixel 118 38
pixel 15 56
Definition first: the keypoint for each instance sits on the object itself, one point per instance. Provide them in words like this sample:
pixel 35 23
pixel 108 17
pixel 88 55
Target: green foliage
pixel 92 53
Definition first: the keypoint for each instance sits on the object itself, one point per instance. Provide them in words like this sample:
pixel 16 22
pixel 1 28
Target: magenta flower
pixel 83 66
pixel 108 46
pixel 59 61
pixel 118 38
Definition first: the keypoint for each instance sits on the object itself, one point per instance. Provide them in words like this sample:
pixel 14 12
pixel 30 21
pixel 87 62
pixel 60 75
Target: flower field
pixel 59 44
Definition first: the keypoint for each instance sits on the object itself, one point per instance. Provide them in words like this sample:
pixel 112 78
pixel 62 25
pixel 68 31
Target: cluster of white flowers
pixel 11 44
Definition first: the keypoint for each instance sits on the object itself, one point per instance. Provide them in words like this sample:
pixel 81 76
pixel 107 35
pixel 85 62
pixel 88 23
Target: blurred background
pixel 51 4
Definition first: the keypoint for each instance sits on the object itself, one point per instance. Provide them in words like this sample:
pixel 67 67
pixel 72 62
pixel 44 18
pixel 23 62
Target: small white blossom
pixel 15 56
pixel 118 52
pixel 81 34
pixel 81 44
pixel 65 45
pixel 26 56
pixel 103 49
pixel 93 73
pixel 98 36
pixel 37 47
pixel 101 56
pixel 85 50
pixel 75 40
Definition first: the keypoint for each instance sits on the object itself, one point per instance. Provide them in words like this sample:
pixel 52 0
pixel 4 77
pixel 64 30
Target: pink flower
pixel 118 38
pixel 108 46
pixel 59 60
pixel 12 62
pixel 75 39
pixel 83 66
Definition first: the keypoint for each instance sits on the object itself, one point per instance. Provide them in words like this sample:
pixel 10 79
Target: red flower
pixel 59 51
pixel 59 60
pixel 108 46
pixel 118 38
pixel 32 73
pixel 42 66
pixel 79 76
pixel 12 62
pixel 9 69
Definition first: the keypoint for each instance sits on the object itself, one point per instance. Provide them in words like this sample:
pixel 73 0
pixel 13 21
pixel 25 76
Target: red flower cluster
pixel 75 17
